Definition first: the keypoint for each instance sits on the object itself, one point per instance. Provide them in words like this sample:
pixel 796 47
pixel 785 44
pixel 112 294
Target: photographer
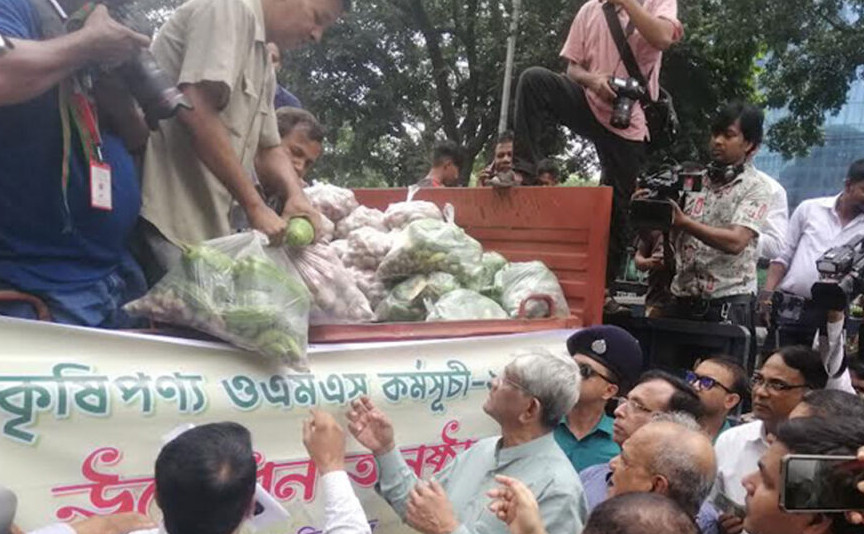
pixel 583 100
pixel 69 193
pixel 196 163
pixel 716 233
pixel 816 226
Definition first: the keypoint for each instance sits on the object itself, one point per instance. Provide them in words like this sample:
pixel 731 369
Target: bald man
pixel 640 513
pixel 671 456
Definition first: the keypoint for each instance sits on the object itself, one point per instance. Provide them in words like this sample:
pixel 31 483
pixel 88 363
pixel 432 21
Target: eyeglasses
pixel 587 372
pixel 705 383
pixel 773 385
pixel 634 405
pixel 501 379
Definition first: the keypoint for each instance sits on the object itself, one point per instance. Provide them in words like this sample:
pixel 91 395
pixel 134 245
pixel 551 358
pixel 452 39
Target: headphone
pixel 724 173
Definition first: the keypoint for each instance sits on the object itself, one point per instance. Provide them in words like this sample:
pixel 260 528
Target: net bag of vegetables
pixel 239 290
pixel 336 299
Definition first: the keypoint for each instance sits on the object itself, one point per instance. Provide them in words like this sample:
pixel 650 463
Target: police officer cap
pixel 611 346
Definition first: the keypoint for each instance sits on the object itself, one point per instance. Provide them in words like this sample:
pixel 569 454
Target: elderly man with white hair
pixel 527 400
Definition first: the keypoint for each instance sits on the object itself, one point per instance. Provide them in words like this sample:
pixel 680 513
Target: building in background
pixel 822 172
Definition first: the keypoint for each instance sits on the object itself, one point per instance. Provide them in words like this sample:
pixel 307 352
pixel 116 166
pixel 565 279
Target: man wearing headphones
pixel 717 232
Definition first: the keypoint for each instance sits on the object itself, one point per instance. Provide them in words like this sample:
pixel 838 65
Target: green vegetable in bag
pixel 232 288
pixel 407 301
pixel 429 245
pixel 465 305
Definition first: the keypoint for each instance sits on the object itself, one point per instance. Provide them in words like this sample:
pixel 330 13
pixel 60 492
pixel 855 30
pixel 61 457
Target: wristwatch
pixel 5 45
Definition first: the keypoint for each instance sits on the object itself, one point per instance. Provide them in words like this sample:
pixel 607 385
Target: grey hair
pixel 682 419
pixel 553 379
pixel 689 485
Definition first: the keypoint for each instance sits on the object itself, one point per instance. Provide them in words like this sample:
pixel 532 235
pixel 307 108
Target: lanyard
pixel 77 110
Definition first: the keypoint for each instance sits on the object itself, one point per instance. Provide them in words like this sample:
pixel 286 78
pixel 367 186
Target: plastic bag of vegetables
pixel 485 281
pixel 370 285
pixel 362 217
pixel 401 214
pixel 336 299
pixel 465 305
pixel 238 290
pixel 518 282
pixel 335 203
pixel 366 248
pixel 407 301
pixel 429 246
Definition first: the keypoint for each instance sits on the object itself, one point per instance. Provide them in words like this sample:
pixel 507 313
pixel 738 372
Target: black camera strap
pixel 623 46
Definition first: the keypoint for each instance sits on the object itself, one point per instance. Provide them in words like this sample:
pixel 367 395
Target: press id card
pixel 100 186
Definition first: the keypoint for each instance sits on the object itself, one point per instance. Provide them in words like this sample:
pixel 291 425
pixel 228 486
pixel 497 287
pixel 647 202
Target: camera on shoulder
pixel 670 182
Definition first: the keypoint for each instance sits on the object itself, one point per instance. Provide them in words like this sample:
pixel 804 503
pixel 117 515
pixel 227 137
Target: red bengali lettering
pixel 287 480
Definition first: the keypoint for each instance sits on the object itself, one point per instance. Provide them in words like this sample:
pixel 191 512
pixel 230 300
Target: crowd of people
pixel 673 455
pixel 94 208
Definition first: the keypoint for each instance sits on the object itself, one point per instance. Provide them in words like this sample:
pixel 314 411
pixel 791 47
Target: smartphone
pixel 817 483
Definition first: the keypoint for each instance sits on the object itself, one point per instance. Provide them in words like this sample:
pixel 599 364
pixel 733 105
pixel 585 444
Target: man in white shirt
pixel 772 235
pixel 781 383
pixel 205 484
pixel 816 226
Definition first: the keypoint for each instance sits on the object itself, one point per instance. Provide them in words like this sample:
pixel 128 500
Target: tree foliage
pixel 395 75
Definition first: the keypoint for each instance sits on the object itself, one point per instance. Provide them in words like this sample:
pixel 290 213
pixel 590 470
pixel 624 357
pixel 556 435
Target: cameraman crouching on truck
pixel 69 194
pixel 716 233
pixel 196 163
pixel 584 100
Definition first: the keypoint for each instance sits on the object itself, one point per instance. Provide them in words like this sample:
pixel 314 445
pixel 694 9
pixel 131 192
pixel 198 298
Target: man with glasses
pixel 776 388
pixel 527 401
pixel 609 360
pixel 721 384
pixel 657 392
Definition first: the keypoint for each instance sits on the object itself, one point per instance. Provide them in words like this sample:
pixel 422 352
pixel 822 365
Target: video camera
pixel 151 87
pixel 841 272
pixel 670 182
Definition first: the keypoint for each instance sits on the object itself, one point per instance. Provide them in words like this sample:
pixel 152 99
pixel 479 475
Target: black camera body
pixel 841 272
pixel 158 96
pixel 671 182
pixel 629 92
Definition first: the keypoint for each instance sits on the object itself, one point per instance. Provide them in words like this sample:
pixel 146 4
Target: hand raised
pixel 371 427
pixel 324 440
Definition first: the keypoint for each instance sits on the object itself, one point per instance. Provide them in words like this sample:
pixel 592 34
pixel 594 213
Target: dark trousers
pixel 545 100
pixel 737 310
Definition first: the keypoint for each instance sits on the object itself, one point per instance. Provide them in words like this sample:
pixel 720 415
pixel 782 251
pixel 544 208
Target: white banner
pixel 83 412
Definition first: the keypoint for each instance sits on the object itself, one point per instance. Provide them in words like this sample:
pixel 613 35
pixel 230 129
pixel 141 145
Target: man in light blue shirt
pixel 528 399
